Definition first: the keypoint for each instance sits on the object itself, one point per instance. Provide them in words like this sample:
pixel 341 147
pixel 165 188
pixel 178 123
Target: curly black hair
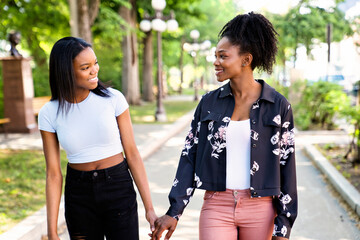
pixel 254 34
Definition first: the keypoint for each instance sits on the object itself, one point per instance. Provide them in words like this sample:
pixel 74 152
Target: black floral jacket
pixel 203 159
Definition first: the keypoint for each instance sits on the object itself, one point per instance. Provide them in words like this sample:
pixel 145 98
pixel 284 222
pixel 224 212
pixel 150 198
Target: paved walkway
pixel 321 214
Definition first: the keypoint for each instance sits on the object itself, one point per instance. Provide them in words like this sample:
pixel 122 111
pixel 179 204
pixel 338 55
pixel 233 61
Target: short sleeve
pixel 44 120
pixel 119 101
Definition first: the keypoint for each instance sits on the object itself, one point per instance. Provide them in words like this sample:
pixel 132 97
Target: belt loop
pixel 107 175
pixel 81 175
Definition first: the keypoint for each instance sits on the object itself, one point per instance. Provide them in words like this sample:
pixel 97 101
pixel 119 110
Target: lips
pixel 95 79
pixel 218 71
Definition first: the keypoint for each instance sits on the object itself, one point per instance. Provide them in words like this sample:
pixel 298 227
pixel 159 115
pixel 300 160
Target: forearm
pixel 138 172
pixel 53 196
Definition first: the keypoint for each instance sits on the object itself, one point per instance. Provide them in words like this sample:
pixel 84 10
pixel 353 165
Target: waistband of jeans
pixel 238 192
pixel 99 173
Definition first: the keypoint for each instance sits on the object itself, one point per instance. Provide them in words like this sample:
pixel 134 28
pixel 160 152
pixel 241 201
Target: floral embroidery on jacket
pixel 284 199
pixel 190 140
pixel 198 181
pixel 275 139
pixel 256 104
pixel 175 182
pixel 277 119
pixel 254 168
pixel 287 140
pixel 217 139
pixel 189 191
pixel 287 143
pixel 254 135
pixel 282 231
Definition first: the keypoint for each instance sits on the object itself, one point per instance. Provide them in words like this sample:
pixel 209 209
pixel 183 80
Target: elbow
pixel 54 177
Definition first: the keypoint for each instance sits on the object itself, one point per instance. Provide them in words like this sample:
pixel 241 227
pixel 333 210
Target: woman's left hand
pixel 151 218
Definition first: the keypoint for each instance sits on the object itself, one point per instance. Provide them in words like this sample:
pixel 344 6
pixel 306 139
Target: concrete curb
pixel 32 227
pixel 346 190
pixel 35 226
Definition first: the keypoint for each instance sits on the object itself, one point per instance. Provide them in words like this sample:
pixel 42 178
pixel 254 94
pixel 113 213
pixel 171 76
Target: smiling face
pixel 229 62
pixel 86 69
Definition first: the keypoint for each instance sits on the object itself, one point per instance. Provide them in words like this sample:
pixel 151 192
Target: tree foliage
pixel 307 25
pixel 40 23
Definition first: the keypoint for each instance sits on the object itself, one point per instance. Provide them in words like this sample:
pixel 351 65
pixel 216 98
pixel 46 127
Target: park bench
pixel 38 103
pixel 3 122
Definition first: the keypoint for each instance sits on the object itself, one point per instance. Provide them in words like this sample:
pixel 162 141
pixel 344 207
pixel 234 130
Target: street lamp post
pixel 195 34
pixel 159 25
pixel 195 48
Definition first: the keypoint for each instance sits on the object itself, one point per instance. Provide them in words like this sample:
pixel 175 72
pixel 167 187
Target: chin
pixel 94 86
pixel 221 79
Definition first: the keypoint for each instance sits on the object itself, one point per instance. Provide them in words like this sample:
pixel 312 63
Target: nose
pixel 94 70
pixel 216 62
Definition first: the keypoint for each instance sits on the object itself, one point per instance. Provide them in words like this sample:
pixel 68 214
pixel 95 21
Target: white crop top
pixel 238 155
pixel 89 131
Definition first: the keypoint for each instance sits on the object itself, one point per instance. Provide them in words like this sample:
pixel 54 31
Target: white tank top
pixel 238 155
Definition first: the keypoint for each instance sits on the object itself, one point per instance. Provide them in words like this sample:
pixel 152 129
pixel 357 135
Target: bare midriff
pixel 100 164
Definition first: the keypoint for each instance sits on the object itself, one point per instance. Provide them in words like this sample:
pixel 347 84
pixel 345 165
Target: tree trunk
pixel 130 76
pixel 82 16
pixel 84 21
pixel 181 64
pixel 94 6
pixel 295 57
pixel 148 82
pixel 74 25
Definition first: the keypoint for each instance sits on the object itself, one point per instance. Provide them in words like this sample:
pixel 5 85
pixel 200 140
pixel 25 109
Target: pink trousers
pixel 232 214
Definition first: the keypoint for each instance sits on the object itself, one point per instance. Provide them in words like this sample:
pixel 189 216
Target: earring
pixel 243 65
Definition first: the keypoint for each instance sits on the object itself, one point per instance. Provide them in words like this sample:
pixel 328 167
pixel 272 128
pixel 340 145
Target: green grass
pixel 22 184
pixel 174 109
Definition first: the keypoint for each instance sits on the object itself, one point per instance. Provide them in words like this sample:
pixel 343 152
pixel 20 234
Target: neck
pixel 244 86
pixel 82 95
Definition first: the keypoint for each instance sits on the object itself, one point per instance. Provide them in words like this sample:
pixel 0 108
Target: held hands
pixel 161 224
pixel 151 218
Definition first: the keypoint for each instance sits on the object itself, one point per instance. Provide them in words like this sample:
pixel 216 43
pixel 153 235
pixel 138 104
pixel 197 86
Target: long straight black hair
pixel 62 75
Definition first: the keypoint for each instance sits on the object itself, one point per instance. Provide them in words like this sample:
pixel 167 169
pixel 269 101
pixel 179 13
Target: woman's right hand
pixel 164 223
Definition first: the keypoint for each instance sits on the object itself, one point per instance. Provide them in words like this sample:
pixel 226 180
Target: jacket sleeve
pixel 185 182
pixel 286 203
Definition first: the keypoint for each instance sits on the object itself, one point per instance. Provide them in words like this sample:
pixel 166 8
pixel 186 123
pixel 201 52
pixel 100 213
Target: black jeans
pixel 101 203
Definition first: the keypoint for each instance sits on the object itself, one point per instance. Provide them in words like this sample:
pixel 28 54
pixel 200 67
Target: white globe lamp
pixel 158 5
pixel 145 25
pixel 158 25
pixel 172 25
pixel 194 34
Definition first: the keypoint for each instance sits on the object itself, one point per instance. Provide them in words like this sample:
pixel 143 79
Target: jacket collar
pixel 267 93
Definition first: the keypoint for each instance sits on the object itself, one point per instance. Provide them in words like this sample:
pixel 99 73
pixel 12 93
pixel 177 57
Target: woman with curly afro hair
pixel 240 147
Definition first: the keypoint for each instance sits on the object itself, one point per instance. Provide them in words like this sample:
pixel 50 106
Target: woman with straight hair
pixel 240 147
pixel 92 123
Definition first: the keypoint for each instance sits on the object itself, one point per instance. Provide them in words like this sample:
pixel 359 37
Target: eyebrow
pixel 84 64
pixel 87 63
